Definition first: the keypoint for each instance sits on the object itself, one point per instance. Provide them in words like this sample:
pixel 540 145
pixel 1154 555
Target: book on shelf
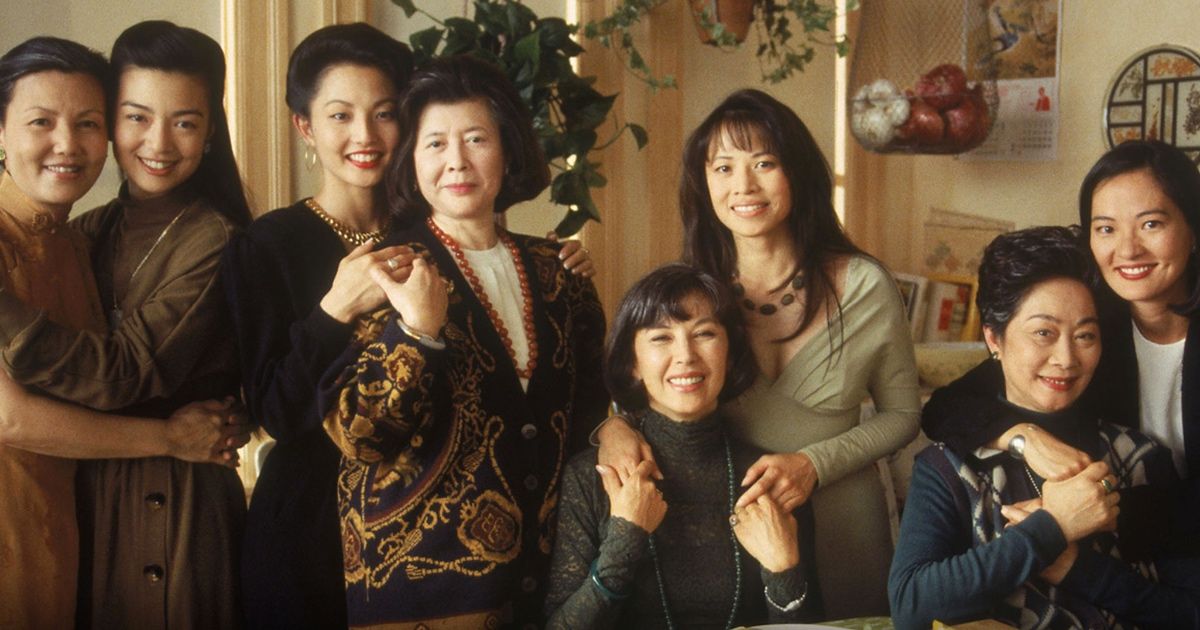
pixel 914 293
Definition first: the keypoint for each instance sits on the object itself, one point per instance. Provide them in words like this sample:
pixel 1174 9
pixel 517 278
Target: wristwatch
pixel 1016 447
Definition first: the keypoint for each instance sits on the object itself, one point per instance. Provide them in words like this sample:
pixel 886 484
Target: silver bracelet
pixel 433 343
pixel 791 606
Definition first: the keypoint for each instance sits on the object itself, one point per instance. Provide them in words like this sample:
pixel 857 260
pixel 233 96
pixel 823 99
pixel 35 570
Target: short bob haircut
pixel 450 80
pixel 743 117
pixel 164 46
pixel 658 298
pixel 1179 180
pixel 356 44
pixel 49 54
pixel 1016 262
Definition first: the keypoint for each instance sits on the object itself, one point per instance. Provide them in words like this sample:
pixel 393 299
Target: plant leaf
pixel 407 6
pixel 572 223
pixel 426 41
pixel 639 135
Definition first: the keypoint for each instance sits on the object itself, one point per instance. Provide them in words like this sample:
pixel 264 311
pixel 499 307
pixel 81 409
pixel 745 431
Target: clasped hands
pixel 209 432
pixel 367 277
pixel 1081 505
pixel 762 518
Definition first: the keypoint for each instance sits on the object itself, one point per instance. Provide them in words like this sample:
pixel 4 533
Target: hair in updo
pixel 356 44
pixel 660 297
pixel 49 54
pixel 1016 262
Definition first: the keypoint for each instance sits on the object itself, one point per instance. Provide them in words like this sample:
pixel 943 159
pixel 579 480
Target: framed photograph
pixel 951 314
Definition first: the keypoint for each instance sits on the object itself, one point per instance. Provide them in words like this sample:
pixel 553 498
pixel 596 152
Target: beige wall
pixel 1097 38
pixel 97 24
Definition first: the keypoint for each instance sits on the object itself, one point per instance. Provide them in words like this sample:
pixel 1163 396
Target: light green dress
pixel 815 407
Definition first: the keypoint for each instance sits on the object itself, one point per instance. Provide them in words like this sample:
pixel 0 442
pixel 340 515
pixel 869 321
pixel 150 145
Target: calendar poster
pixel 1025 35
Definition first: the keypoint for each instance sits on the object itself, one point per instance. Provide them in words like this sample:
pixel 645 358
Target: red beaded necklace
pixel 477 287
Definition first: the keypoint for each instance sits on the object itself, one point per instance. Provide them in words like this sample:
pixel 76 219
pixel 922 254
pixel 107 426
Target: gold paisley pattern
pixel 431 439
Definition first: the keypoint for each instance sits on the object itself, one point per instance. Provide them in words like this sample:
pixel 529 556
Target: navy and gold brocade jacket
pixel 449 482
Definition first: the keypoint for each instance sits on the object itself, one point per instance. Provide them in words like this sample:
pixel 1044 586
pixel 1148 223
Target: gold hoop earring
pixel 310 157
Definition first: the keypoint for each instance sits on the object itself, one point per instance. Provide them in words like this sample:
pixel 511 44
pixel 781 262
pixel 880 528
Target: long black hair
pixel 49 54
pixel 812 222
pixel 162 45
pixel 1180 181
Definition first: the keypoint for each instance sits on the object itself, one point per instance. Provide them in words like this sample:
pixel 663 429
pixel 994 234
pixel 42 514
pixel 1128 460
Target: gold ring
pixel 392 264
pixel 1107 485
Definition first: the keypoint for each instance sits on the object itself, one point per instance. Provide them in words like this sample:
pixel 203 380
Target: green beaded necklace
pixel 737 556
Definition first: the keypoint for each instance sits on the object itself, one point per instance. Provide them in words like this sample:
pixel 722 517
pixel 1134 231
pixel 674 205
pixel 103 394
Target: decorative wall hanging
pixel 923 77
pixel 1156 96
pixel 1025 45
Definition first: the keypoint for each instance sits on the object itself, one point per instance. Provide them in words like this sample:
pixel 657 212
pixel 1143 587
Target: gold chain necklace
pixel 351 236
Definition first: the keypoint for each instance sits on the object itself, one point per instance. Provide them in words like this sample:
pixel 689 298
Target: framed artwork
pixel 1156 96
pixel 951 313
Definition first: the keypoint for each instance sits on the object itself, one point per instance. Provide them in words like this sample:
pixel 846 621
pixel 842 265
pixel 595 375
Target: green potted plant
pixel 536 55
pixel 787 32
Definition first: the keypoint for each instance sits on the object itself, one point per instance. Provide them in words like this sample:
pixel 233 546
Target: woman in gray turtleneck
pixel 634 552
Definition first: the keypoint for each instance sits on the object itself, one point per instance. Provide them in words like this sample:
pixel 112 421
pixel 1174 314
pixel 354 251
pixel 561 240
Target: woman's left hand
pixel 787 478
pixel 421 300
pixel 768 533
pixel 575 257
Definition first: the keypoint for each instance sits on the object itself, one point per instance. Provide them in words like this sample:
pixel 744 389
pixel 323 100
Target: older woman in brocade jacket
pixel 463 401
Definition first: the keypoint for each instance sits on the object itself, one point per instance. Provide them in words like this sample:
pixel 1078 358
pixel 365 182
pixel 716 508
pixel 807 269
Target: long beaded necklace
pixel 477 287
pixel 341 229
pixel 1029 473
pixel 737 556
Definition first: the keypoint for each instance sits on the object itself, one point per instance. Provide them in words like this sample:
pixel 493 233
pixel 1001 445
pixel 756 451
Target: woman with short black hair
pixel 1140 208
pixel 983 535
pixel 827 329
pixel 463 400
pixel 676 350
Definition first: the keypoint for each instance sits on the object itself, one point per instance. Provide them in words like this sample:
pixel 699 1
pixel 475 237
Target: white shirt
pixel 1160 393
pixel 497 274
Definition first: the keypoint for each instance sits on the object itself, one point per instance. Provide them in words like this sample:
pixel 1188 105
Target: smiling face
pixel 1050 347
pixel 747 186
pixel 682 363
pixel 459 160
pixel 54 137
pixel 161 127
pixel 352 126
pixel 1140 239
